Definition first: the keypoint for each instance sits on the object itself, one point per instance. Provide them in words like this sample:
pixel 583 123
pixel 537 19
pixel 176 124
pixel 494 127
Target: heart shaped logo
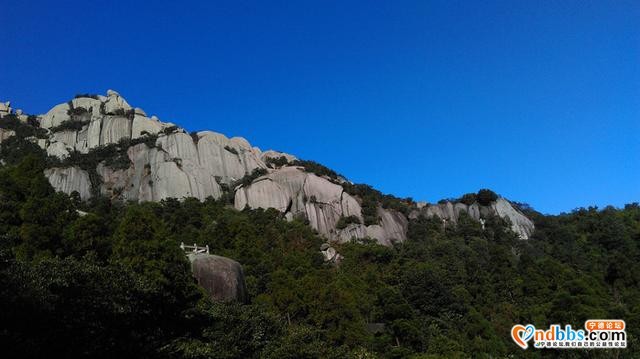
pixel 521 334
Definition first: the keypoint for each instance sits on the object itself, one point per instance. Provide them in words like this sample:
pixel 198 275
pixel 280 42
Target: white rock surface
pixel 115 103
pixel 330 254
pixel 520 224
pixel 142 124
pixel 90 104
pixel 155 175
pixel 264 156
pixel 55 116
pixel 230 160
pixel 114 128
pixel 70 179
pixel 5 108
pixel 293 191
pixel 68 137
pixel 5 134
pixel 58 149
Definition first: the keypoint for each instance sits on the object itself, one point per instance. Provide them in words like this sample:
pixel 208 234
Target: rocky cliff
pixel 102 145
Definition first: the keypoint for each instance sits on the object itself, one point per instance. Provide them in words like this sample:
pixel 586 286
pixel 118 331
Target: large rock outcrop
pixel 450 211
pixel 221 277
pixel 295 192
pixel 134 157
pixel 173 165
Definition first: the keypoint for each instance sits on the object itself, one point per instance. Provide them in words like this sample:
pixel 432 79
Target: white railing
pixel 194 248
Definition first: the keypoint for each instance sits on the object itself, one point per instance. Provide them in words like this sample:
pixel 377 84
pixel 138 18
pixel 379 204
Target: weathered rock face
pixel 330 254
pixel 221 277
pixel 177 166
pixel 231 159
pixel 449 211
pixel 159 160
pixel 294 192
pixel 70 179
pixel 5 134
pixel 520 224
pixel 5 108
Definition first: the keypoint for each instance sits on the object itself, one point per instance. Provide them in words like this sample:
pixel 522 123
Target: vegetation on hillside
pixel 114 282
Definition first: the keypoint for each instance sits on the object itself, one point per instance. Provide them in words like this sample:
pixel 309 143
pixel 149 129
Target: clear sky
pixel 538 100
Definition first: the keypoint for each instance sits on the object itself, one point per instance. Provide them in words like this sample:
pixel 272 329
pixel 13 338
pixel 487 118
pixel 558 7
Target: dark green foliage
pixel 469 199
pixel 343 222
pixel 93 96
pixel 231 149
pixel 76 111
pixel 23 130
pixel 277 162
pixel 316 168
pixel 14 149
pixel 231 331
pixel 249 178
pixel 228 195
pixel 104 311
pixel 129 114
pixel 194 136
pixel 114 283
pixel 486 196
pixel 70 125
pixel 371 198
pixel 169 130
pixel 370 210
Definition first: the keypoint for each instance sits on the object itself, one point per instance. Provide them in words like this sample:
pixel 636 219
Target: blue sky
pixel 538 100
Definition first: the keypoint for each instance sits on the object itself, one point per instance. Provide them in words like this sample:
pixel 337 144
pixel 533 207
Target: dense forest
pixel 114 282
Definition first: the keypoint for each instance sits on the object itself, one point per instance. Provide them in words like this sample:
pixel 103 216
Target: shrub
pixel 486 196
pixel 76 111
pixel 316 168
pixel 86 95
pixel 249 178
pixel 23 130
pixel 231 149
pixel 194 136
pixel 169 130
pixel 277 162
pixel 69 125
pixel 370 210
pixel 375 197
pixel 128 113
pixel 468 199
pixel 228 196
pixel 343 222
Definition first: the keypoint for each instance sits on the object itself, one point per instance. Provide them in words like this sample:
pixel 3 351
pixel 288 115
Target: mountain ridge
pixel 101 145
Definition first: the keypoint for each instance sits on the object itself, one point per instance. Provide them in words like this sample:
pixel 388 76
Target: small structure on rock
pixel 194 248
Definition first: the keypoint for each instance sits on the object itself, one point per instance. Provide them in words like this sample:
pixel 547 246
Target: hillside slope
pixel 101 145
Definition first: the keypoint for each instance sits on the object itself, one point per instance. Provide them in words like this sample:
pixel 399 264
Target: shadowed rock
pixel 221 277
